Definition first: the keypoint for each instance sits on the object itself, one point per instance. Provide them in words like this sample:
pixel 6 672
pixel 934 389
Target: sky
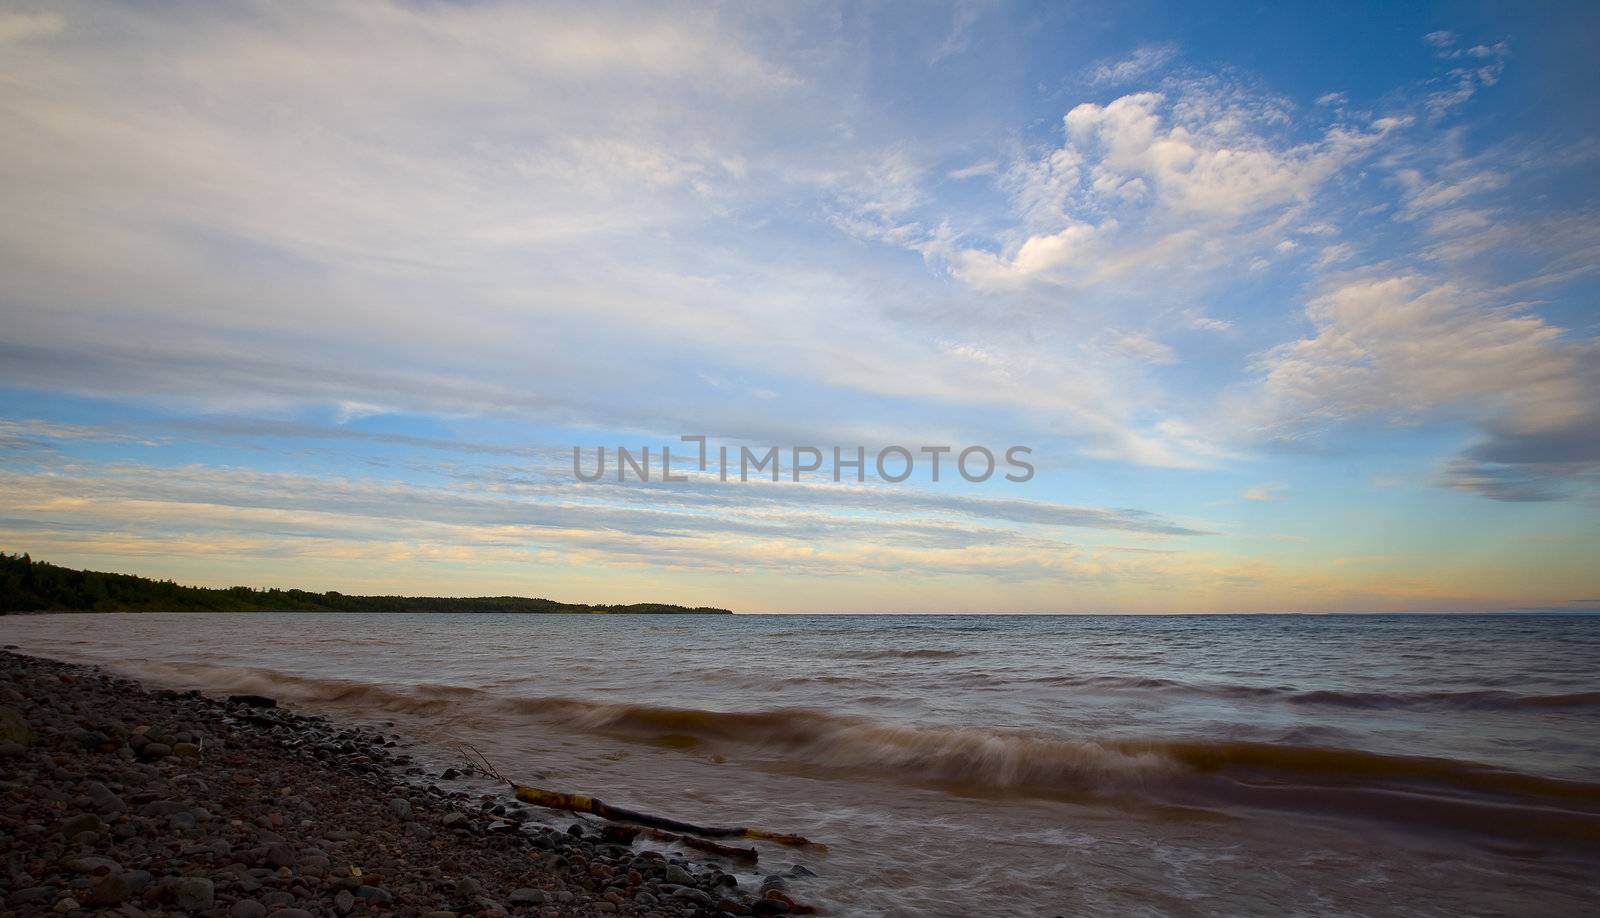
pixel 1294 307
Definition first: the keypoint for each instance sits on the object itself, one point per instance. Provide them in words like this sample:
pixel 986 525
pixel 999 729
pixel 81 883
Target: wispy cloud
pixel 1167 272
pixel 1144 61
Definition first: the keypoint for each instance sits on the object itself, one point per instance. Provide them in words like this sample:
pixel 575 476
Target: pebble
pixel 187 893
pixel 110 892
pixel 401 809
pixel 140 803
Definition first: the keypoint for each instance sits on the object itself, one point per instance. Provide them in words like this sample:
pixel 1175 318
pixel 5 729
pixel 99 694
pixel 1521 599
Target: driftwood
pixel 687 833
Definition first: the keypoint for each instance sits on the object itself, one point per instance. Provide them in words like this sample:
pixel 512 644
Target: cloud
pixel 984 167
pixel 1144 61
pixel 963 16
pixel 536 514
pixel 1483 65
pixel 17 26
pixel 1144 349
pixel 1202 160
pixel 1153 176
pixel 1269 492
pixel 1405 349
pixel 1518 484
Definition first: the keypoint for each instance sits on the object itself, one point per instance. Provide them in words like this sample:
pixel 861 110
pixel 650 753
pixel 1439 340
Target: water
pixel 992 764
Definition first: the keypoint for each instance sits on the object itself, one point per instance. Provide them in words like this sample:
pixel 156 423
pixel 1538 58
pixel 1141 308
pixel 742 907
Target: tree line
pixel 27 585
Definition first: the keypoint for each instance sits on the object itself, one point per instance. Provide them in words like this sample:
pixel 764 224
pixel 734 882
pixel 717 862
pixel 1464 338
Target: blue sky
pixel 1295 307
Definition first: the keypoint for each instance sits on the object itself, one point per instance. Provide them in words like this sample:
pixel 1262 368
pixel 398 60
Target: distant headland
pixel 36 586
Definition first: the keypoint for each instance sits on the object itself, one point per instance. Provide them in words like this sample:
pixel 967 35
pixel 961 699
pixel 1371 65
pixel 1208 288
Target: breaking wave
pixel 1437 792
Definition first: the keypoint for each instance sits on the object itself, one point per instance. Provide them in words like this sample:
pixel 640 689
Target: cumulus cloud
pixel 1137 179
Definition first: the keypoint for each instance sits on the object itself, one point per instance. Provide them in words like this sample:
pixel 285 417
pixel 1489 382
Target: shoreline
pixel 157 802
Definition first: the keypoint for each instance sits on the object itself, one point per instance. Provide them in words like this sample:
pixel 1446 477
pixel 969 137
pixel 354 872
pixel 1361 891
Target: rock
pixel 13 728
pixel 158 808
pixel 278 898
pixel 528 896
pixel 104 800
pixel 690 894
pixel 400 808
pixel 91 741
pixel 110 892
pixel 80 803
pixel 187 893
pixel 83 822
pixel 253 701
pixel 374 894
pixel 32 895
pixel 769 907
pixel 90 864
pixel 281 855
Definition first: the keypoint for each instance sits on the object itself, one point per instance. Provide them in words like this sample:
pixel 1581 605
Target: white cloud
pixel 1151 176
pixel 1204 164
pixel 1483 66
pixel 1144 61
pixel 1144 349
pixel 983 167
pixel 1404 349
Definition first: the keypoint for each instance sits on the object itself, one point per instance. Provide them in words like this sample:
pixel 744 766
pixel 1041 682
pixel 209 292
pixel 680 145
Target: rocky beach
pixel 154 802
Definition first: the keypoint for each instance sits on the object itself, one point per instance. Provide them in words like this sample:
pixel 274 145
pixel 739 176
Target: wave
pixel 1432 791
pixel 1463 700
pixel 912 654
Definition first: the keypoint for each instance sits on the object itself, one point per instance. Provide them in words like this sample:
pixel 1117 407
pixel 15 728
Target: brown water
pixel 958 765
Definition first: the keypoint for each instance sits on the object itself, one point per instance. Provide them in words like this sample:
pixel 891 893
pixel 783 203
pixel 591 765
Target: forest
pixel 27 585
